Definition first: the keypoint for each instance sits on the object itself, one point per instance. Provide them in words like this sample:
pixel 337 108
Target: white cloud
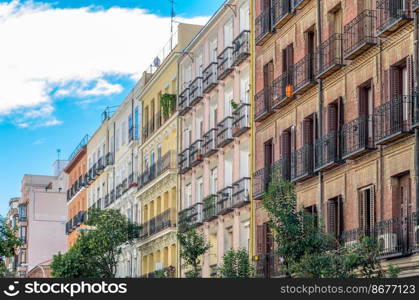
pixel 40 141
pixel 45 47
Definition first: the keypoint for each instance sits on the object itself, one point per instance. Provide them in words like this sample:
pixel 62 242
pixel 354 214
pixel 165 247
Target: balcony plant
pixel 168 104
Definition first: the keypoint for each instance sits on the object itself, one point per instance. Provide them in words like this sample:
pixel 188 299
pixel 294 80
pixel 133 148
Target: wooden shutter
pixel 293 138
pixel 385 91
pixel 331 216
pixel 261 233
pixel 339 213
pixel 395 83
pixel 372 205
pixel 361 210
pixel 285 143
pixel 307 132
pixel 363 101
pixel 332 117
pixel 290 63
pixel 409 65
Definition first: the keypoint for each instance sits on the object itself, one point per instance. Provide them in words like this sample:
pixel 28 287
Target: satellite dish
pixel 156 62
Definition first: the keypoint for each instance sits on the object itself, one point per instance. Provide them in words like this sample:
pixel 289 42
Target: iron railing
pixel 209 211
pixel 281 12
pixel 356 137
pixel 157 224
pixel 195 91
pixel 330 55
pixel 298 4
pixel 210 77
pixel 184 102
pixel 304 74
pixel 327 152
pixel 263 104
pixel 241 192
pixel 269 265
pixel 359 34
pixel 302 163
pixel 210 142
pixel 191 216
pixel 391 14
pixel 196 152
pixel 241 48
pixel 225 63
pixel 225 132
pixel 184 161
pixel 224 200
pixel 279 88
pixel 262 27
pixel 241 121
pixel 415 120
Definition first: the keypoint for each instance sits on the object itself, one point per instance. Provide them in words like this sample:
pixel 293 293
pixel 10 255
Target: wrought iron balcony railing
pixel 109 159
pixel 132 180
pixel 145 133
pixel 263 107
pixel 305 74
pixel 327 152
pixel 210 77
pixel 241 121
pixel 391 14
pixel 392 120
pixel 282 89
pixel 263 177
pixel 415 120
pixel 263 27
pixel 184 161
pixel 184 102
pixel 241 47
pixel 195 91
pixel 225 200
pixel 169 272
pixel 298 4
pixel 330 56
pixel 164 163
pixel 241 192
pixel 359 34
pixel 210 142
pixel 196 152
pixel 191 216
pixel 281 12
pixel 209 210
pixel 269 265
pixel 356 137
pixel 225 132
pixel 225 63
pixel 302 163
pixel 157 224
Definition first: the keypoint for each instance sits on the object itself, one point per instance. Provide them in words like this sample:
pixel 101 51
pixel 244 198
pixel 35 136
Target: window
pixel 366 208
pixel 188 196
pixel 228 238
pixel 198 65
pixel 22 234
pixel 228 97
pixel 244 159
pixel 213 50
pixel 228 33
pixel 244 16
pixel 136 123
pixel 228 169
pixel 22 212
pixel 335 216
pixel 269 153
pixel 244 86
pixel 244 235
pixel 199 190
pixel 186 137
pixel 214 181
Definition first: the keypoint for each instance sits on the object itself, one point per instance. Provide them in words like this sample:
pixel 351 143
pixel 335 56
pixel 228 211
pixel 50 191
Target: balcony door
pixel 366 209
pixel 244 17
pixel 228 33
pixel 402 203
pixel 268 77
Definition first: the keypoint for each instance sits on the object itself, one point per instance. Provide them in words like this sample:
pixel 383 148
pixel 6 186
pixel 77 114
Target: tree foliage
pixel 96 251
pixel 8 244
pixel 306 249
pixel 236 264
pixel 168 104
pixel 192 246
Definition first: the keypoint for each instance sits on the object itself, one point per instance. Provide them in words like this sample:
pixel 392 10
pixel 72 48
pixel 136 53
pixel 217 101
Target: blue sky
pixel 68 64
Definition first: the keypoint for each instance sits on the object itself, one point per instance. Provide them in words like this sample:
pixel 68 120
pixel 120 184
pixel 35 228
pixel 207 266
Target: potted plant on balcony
pixel 168 104
pixel 199 155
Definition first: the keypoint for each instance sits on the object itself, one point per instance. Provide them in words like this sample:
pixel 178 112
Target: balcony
pixel 415 120
pixel 132 180
pixel 169 272
pixel 100 165
pixel 299 4
pixel 210 77
pixel 241 192
pixel 391 15
pixel 111 197
pixel 263 27
pixel 145 133
pixel 263 107
pixel 356 137
pixel 330 54
pixel 241 46
pixel 184 102
pixel 109 159
pixel 395 237
pixel 184 161
pixel 282 89
pixel 415 5
pixel 195 91
pixel 302 163
pixel 196 152
pixel 263 177
pixel 210 142
pixel 327 152
pixel 157 224
pixel 225 63
pixel 191 217
pixel 281 12
pixel 392 120
pixel 241 122
pixel 209 211
pixel 304 74
pixel 359 35
pixel 225 132
pixel 269 265
pixel 224 201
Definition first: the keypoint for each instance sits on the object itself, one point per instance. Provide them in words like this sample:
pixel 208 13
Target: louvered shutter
pixel 363 101
pixel 395 83
pixel 261 234
pixel 386 86
pixel 285 144
pixel 332 117
pixel 361 210
pixel 409 65
pixel 331 216
pixel 307 132
pixel 293 138
pixel 340 215
pixel 372 206
pixel 290 62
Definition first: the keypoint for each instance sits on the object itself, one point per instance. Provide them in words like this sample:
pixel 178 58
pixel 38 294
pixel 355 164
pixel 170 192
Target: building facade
pixel 42 219
pixel 334 102
pixel 214 148
pixel 157 191
pixel 76 191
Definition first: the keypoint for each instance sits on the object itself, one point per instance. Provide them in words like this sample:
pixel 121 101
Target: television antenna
pixel 172 20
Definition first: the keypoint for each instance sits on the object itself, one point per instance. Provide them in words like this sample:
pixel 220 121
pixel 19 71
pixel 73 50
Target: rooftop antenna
pixel 58 158
pixel 172 19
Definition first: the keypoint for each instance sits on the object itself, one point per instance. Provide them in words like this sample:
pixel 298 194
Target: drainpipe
pixel 321 100
pixel 252 128
pixel 178 179
pixel 416 77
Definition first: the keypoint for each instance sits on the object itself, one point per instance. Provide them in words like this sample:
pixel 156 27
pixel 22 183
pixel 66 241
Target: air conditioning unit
pixel 159 266
pixel 387 242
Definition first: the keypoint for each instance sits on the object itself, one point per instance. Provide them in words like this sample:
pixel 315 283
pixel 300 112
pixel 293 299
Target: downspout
pixel 178 179
pixel 415 109
pixel 321 100
pixel 252 128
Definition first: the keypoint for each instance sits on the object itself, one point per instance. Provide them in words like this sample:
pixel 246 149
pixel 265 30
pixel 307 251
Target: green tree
pixel 8 244
pixel 192 246
pixel 236 264
pixel 96 251
pixel 307 250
